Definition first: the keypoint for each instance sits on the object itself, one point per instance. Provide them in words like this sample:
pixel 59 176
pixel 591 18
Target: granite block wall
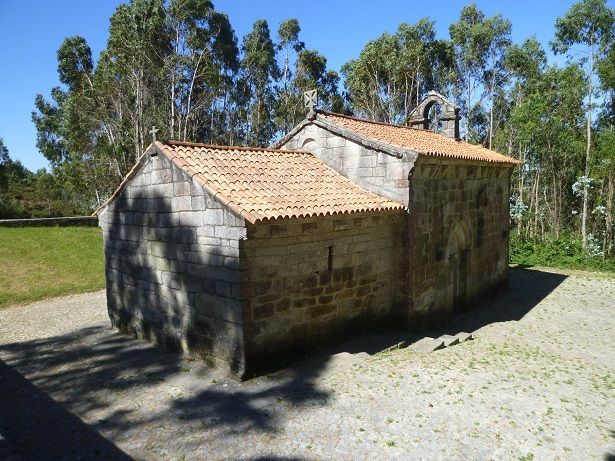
pixel 456 230
pixel 172 265
pixel 309 282
pixel 375 171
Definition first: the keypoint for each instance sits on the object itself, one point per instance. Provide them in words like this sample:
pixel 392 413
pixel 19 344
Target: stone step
pixel 399 345
pixel 463 336
pixel 427 344
pixel 449 340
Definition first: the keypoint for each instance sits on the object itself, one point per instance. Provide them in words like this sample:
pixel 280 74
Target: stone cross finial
pixel 310 100
pixel 153 132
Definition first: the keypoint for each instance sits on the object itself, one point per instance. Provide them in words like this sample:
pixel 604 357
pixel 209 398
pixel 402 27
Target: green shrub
pixel 564 252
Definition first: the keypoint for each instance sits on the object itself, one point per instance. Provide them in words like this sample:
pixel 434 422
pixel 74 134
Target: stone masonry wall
pixel 375 171
pixel 458 250
pixel 315 281
pixel 172 264
pixel 457 226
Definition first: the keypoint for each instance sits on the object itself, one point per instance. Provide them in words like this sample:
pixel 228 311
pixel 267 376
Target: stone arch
pixel 458 251
pixel 449 118
pixel 309 145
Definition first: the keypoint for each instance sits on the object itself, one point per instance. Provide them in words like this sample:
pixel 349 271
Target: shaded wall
pixel 172 264
pixel 314 281
pixel 458 228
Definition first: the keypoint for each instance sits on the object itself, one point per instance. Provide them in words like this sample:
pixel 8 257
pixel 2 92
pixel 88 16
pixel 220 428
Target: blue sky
pixel 31 32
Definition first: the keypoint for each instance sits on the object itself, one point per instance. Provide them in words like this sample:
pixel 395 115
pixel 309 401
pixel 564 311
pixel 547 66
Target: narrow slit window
pixel 330 258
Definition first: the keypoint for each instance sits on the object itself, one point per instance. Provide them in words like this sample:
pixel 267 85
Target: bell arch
pixel 419 117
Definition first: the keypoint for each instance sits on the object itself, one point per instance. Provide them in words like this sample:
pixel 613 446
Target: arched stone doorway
pixel 458 251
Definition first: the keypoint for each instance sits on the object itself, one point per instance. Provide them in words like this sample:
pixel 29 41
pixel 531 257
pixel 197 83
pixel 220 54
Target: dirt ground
pixel 537 382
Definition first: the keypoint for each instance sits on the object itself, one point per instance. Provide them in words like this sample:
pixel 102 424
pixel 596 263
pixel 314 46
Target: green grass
pixel 42 262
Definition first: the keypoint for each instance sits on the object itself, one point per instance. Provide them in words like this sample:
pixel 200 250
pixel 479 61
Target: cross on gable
pixel 153 132
pixel 310 99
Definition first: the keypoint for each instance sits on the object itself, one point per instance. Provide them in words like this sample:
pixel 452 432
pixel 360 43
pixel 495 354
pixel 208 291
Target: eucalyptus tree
pixel 480 44
pixel 200 66
pixel 70 125
pixel 4 159
pixel 371 82
pixel 135 55
pixel 393 72
pixel 591 25
pixel 547 121
pixel 289 46
pixel 260 70
pixel 525 64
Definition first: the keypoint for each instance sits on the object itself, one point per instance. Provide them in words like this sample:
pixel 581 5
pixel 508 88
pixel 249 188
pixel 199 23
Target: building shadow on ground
pixel 526 289
pixel 44 383
pixel 102 376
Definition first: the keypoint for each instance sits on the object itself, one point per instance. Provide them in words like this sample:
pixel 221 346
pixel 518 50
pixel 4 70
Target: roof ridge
pixel 448 147
pixel 171 142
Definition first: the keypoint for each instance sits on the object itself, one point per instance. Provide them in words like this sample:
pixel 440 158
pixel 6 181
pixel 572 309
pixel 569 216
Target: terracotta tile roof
pixel 264 184
pixel 416 139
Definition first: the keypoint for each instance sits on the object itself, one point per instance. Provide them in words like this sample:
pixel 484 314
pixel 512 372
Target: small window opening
pixel 330 258
pixel 481 205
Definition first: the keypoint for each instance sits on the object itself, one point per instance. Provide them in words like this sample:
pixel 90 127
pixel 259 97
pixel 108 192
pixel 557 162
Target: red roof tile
pixel 261 184
pixel 416 139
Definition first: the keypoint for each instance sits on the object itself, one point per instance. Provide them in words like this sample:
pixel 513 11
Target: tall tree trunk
pixel 608 216
pixel 589 140
pixel 491 111
pixel 469 106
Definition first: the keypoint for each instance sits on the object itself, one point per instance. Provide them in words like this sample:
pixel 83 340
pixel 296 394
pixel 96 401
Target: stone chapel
pixel 248 256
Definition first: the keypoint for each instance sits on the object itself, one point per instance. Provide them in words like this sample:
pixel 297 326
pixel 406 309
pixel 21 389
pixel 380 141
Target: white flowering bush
pixel 594 247
pixel 517 208
pixel 600 210
pixel 581 184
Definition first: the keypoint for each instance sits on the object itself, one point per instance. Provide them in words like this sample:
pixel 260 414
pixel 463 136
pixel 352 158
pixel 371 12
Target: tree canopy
pixel 179 65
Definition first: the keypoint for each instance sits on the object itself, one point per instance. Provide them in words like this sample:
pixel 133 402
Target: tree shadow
pixel 99 374
pixel 88 371
pixel 35 427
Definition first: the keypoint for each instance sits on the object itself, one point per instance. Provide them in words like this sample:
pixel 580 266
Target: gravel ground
pixel 538 382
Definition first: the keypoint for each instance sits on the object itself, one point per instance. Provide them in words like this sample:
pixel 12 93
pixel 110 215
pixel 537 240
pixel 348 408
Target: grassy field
pixel 41 262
